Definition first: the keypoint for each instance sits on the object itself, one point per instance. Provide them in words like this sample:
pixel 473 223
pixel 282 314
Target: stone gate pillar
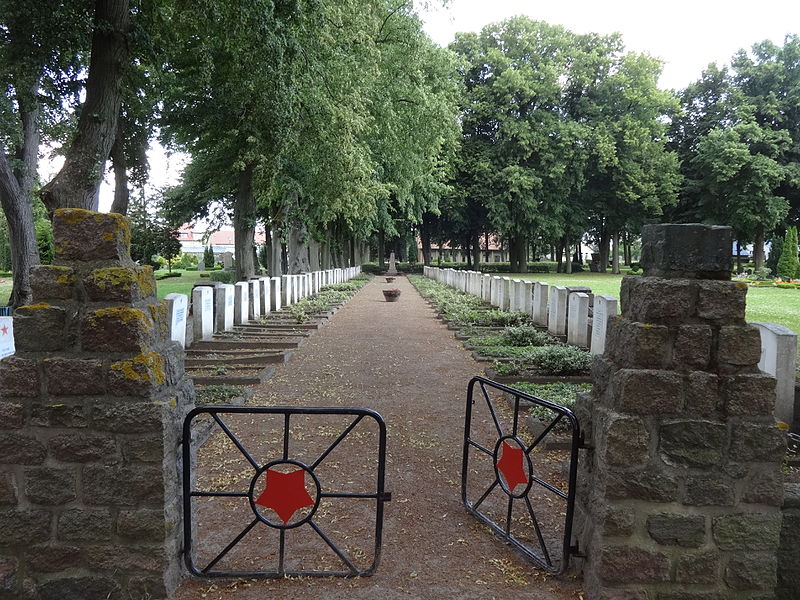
pixel 90 412
pixel 679 496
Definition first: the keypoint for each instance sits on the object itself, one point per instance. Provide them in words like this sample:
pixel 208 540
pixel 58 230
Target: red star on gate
pixel 285 493
pixel 511 466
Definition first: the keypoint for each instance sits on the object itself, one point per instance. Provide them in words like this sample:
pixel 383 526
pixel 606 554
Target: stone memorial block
pixel 264 294
pixel 557 313
pixel 486 288
pixel 578 321
pixel 505 286
pixel 177 307
pixel 224 299
pixel 496 293
pixel 605 308
pixel 6 337
pixel 275 293
pixel 241 306
pixel 513 298
pixel 91 407
pixel 527 293
pixel 779 359
pixel 540 295
pixel 681 486
pixel 201 266
pixel 392 266
pixel 203 312
pixel 227 261
pixel 254 300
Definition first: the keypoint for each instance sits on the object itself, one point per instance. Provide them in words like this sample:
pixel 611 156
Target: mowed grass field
pixel 764 304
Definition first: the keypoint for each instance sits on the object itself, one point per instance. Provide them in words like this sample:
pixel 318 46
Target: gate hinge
pixel 385 496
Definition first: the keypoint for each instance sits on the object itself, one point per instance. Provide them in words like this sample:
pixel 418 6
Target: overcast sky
pixel 686 35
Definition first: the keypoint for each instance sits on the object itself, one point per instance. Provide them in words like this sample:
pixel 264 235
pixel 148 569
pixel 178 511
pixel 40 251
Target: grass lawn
pixel 764 304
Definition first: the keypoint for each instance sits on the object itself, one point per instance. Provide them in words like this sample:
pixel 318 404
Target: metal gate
pixel 509 465
pixel 284 493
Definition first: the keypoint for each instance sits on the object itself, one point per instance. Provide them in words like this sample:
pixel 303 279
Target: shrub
pixel 217 394
pixel 223 276
pixel 560 360
pixel 525 335
pixel 168 275
pixel 788 264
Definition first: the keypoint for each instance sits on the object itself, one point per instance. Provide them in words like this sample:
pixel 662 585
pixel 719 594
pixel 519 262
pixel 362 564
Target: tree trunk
pixel 521 251
pixel 615 253
pixel 325 251
pixel 486 241
pixel 19 216
pixel 557 254
pixel 275 269
pixel 120 164
pixel 425 236
pixel 626 247
pixel 567 255
pixel 77 182
pixel 313 255
pixel 476 251
pixel 381 249
pixel 352 252
pixel 603 249
pixel 758 248
pixel 739 257
pixel 244 225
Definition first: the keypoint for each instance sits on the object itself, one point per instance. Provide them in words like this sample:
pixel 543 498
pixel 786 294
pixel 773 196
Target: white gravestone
pixel 486 288
pixel 254 301
pixel 177 305
pixel 264 291
pixel 578 322
pixel 605 309
pixel 505 285
pixel 779 359
pixel 527 292
pixel 241 306
pixel 540 294
pixel 203 312
pixel 557 313
pixel 286 285
pixel 495 301
pixel 224 298
pixel 513 298
pixel 275 293
pixel 6 337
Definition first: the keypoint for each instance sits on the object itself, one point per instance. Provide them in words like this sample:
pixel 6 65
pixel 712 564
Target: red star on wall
pixel 285 493
pixel 511 466
pixel 4 329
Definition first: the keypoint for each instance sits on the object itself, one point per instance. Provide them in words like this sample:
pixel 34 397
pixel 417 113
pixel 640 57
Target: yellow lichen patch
pixel 741 285
pixel 108 236
pixel 147 283
pixel 73 216
pixel 147 367
pixel 67 275
pixel 33 307
pixel 114 277
pixel 126 314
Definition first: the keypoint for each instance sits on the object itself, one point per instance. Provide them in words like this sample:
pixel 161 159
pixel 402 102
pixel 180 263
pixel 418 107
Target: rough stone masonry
pixel 90 412
pixel 679 497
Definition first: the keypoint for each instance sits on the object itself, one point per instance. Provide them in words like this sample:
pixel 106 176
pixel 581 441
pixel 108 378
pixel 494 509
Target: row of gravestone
pixel 218 307
pixel 565 311
pixel 568 312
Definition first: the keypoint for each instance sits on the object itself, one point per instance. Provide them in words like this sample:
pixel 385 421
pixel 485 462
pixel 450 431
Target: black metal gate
pixel 284 493
pixel 509 465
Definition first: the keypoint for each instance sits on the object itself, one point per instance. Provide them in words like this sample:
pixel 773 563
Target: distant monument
pixel 392 266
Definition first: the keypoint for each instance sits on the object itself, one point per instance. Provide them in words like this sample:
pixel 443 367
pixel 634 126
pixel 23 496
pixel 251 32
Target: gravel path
pixel 399 360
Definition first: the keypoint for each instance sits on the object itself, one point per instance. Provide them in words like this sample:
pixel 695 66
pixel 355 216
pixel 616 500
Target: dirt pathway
pixel 397 359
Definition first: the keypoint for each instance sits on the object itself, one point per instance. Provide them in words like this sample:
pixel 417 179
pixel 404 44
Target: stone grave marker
pixel 264 294
pixel 392 265
pixel 540 296
pixel 779 359
pixel 578 321
pixel 227 261
pixel 203 312
pixel 527 292
pixel 254 299
pixel 557 313
pixel 241 305
pixel 177 306
pixel 605 308
pixel 224 299
pixel 275 293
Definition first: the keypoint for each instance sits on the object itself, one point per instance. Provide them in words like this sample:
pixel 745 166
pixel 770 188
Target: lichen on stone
pixel 145 367
pixel 126 314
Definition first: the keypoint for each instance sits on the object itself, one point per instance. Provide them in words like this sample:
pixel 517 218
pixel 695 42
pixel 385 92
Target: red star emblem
pixel 511 466
pixel 285 493
pixel 4 329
